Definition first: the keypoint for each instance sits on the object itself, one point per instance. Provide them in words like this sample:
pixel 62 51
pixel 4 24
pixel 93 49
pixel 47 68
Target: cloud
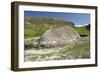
pixel 81 25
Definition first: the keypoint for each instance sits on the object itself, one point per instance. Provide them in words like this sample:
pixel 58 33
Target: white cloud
pixel 81 25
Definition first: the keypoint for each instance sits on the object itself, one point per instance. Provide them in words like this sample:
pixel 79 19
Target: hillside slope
pixel 36 26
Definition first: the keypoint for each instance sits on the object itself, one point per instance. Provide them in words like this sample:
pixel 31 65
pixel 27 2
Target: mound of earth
pixel 60 36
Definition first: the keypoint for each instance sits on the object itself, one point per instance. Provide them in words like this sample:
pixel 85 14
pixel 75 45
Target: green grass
pixel 81 50
pixel 82 31
pixel 38 26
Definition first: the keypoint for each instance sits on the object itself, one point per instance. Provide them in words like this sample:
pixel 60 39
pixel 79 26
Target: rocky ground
pixel 80 50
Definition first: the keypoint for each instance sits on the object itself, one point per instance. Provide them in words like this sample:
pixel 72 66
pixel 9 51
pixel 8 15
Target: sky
pixel 76 18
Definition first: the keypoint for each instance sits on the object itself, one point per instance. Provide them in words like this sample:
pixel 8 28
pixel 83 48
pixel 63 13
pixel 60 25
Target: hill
pixel 36 26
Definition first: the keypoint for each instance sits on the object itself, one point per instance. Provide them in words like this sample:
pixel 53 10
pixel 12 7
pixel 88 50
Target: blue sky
pixel 76 18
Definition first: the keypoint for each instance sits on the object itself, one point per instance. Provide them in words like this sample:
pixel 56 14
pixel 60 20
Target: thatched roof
pixel 63 35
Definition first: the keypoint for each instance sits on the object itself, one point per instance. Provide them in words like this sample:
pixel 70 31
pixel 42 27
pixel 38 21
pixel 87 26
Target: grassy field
pixel 82 31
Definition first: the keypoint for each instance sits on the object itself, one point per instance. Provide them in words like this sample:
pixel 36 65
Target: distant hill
pixel 36 26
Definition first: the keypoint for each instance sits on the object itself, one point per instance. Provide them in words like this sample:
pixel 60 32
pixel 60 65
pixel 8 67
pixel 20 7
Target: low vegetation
pixel 83 31
pixel 36 26
pixel 79 51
